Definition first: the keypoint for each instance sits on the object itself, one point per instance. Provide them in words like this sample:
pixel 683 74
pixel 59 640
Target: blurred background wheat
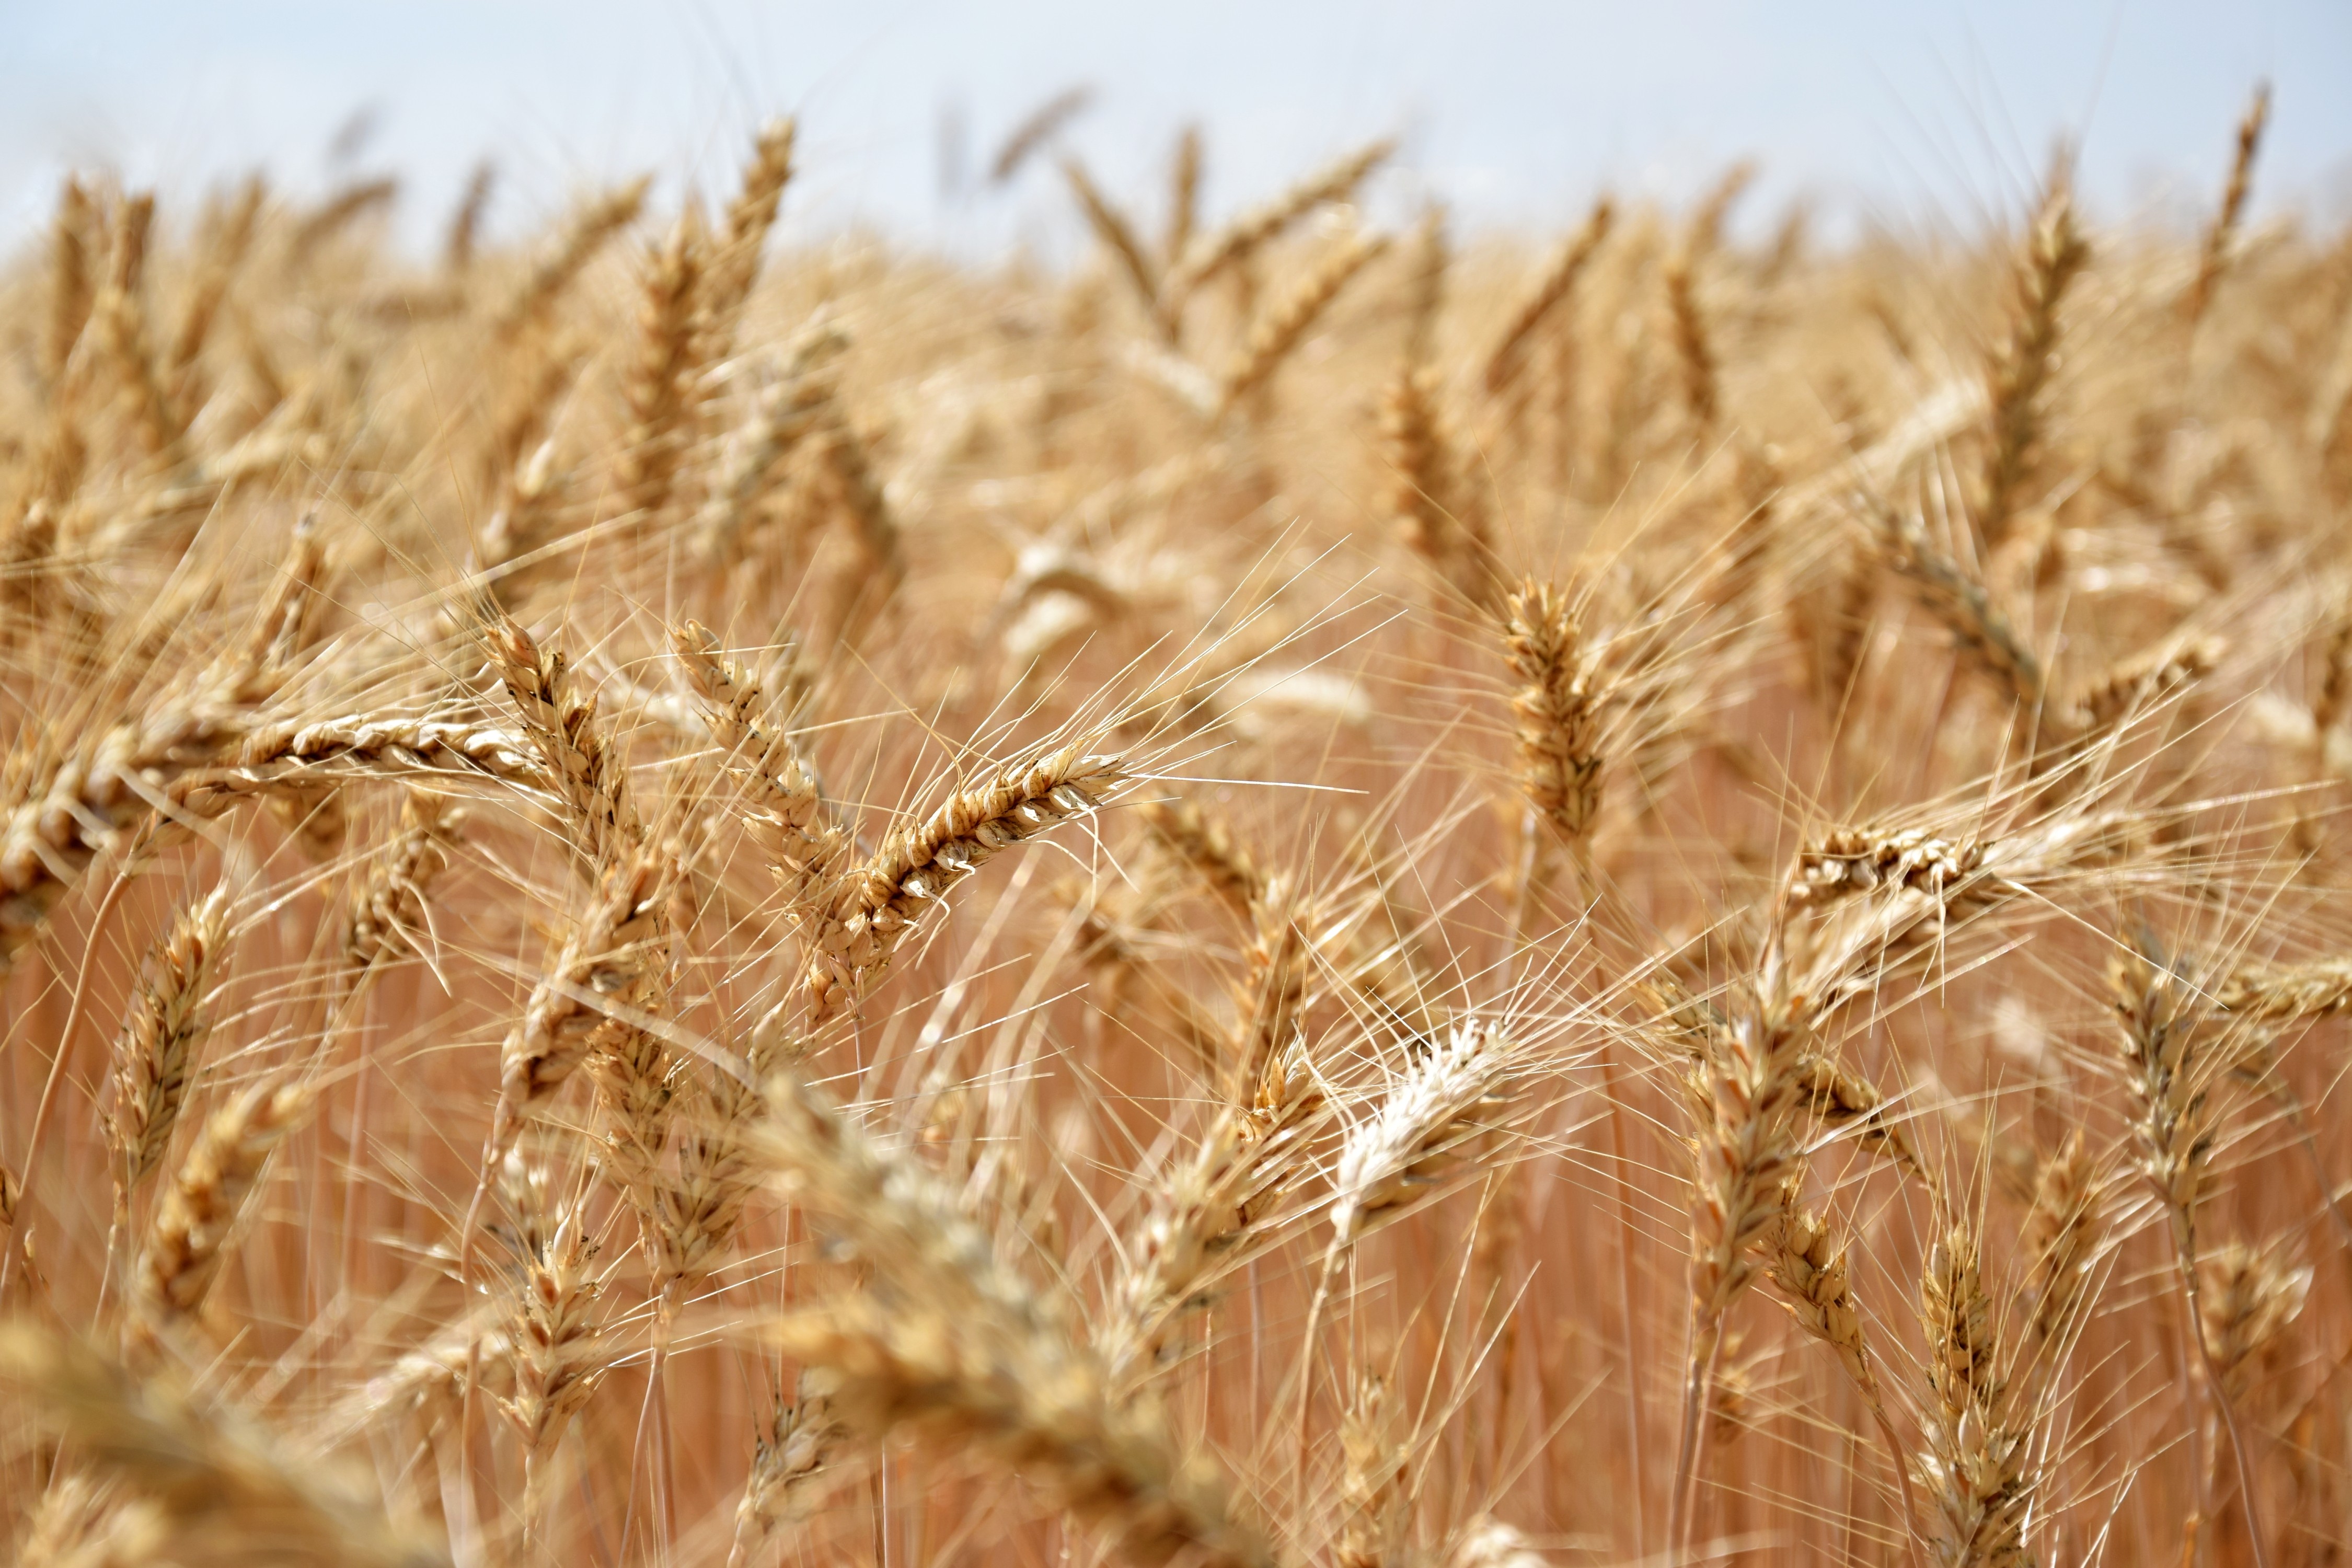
pixel 1248 871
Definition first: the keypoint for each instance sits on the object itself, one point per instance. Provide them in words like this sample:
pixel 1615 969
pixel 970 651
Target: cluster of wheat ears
pixel 1287 898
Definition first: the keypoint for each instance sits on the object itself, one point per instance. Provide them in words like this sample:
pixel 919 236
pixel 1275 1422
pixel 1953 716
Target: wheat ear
pixel 1506 361
pixel 787 811
pixel 1278 331
pixel 795 407
pixel 2213 257
pixel 119 314
pixel 877 904
pixel 71 290
pixel 1370 1494
pixel 589 230
pixel 186 1242
pixel 2019 376
pixel 1206 1214
pixel 1979 1468
pixel 1236 242
pixel 1810 1271
pixel 788 1463
pixel 1439 510
pixel 162 1037
pixel 735 266
pixel 1115 230
pixel 223 1483
pixel 555 1338
pixel 1205 843
pixel 1965 606
pixel 966 1354
pixel 386 911
pixel 2173 1061
pixel 1557 708
pixel 661 394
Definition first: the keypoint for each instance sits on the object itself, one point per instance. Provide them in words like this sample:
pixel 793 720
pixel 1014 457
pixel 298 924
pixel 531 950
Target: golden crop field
pixel 1299 895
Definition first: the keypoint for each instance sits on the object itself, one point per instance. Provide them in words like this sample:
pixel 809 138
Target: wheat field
pixel 1298 895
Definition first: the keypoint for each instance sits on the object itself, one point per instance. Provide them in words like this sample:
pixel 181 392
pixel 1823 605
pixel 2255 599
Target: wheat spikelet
pixel 554 1331
pixel 61 811
pixel 2175 1061
pixel 788 1465
pixel 337 213
pixel 1840 1098
pixel 698 1213
pixel 2140 682
pixel 1693 347
pixel 80 1523
pixel 1965 606
pixel 1033 1403
pixel 609 953
pixel 1849 860
pixel 121 316
pixel 586 775
pixel 849 462
pixel 1271 993
pixel 1040 126
pixel 1184 198
pixel 162 1038
pixel 2170 1061
pixel 970 1357
pixel 2250 1296
pixel 223 259
pixel 1488 1542
pixel 1810 1273
pixel 321 754
pixel 1206 1214
pixel 2279 993
pixel 965 1352
pixel 1426 262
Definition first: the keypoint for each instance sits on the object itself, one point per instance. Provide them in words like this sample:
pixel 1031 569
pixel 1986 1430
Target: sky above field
pixel 1895 113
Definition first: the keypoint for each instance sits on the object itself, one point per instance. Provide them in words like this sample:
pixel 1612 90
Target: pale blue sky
pixel 1514 112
